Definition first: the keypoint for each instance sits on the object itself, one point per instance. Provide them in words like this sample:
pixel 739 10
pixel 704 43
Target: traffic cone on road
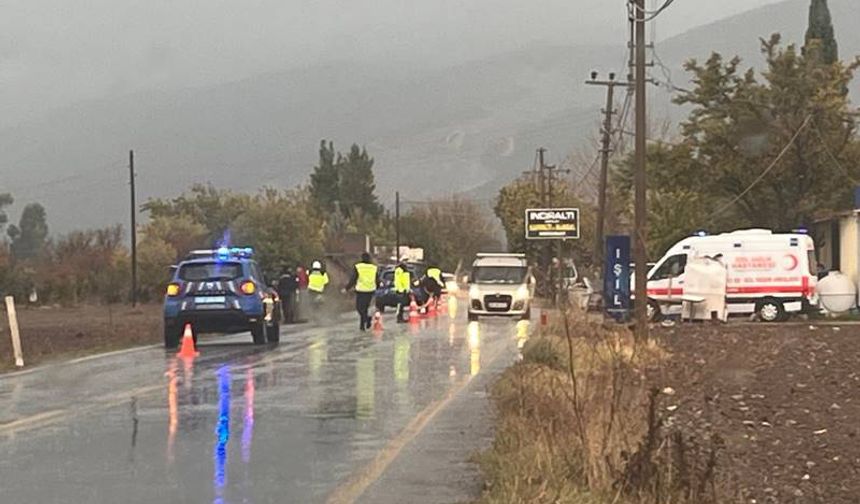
pixel 377 321
pixel 188 351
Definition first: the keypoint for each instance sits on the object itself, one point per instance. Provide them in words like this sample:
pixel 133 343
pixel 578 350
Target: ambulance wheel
pixel 652 311
pixel 770 310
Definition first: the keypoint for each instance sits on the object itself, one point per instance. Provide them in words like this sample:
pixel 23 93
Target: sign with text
pixel 552 224
pixel 616 277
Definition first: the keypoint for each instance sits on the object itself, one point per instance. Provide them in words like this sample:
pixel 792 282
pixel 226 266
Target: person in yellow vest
pixel 317 279
pixel 363 280
pixel 402 289
pixel 434 284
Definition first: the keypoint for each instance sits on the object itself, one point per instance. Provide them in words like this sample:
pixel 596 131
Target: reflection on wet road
pixel 238 423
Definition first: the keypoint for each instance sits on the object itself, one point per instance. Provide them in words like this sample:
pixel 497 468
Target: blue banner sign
pixel 616 288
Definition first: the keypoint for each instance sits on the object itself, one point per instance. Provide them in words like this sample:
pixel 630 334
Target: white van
pixel 769 274
pixel 500 285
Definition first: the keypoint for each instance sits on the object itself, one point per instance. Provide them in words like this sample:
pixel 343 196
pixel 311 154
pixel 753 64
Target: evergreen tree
pixel 820 37
pixel 29 237
pixel 5 200
pixel 357 185
pixel 325 179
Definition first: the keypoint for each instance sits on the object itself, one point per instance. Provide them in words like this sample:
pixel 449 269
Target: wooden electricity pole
pixel 133 229
pixel 640 205
pixel 605 151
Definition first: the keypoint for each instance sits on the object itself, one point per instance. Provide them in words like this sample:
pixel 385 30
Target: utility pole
pixel 397 226
pixel 640 204
pixel 133 229
pixel 605 151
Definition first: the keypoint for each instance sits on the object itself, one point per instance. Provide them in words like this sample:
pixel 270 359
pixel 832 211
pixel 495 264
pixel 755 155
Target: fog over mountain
pixel 448 95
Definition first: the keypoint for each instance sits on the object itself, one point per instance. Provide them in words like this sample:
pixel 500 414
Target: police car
pixel 220 291
pixel 386 296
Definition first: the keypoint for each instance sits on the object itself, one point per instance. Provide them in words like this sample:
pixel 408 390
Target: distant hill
pixel 469 128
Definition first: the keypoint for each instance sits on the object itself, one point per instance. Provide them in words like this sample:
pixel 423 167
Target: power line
pixel 767 170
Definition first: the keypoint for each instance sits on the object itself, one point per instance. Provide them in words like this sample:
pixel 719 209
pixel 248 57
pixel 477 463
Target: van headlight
pixel 523 293
pixel 474 292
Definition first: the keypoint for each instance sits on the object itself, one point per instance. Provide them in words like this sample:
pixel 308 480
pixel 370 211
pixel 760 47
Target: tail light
pixel 173 290
pixel 248 287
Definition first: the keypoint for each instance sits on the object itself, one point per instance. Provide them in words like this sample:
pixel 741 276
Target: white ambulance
pixel 771 275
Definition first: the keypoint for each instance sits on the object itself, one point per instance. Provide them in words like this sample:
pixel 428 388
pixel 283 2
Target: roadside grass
pixel 579 423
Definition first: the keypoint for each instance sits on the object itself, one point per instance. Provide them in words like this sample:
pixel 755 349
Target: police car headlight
pixel 522 293
pixel 474 292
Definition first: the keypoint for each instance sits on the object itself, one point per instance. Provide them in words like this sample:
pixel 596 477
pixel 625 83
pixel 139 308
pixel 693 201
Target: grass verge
pixel 581 420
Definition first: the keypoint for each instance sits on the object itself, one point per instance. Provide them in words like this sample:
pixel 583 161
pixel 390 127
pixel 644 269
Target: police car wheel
pixel 473 317
pixel 273 333
pixel 527 315
pixel 171 337
pixel 258 332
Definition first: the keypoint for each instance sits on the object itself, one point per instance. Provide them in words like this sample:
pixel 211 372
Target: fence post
pixel 13 330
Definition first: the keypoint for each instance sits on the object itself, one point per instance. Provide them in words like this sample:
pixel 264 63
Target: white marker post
pixel 13 330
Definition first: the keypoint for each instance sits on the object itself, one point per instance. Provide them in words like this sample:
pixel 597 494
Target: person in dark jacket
pixel 288 286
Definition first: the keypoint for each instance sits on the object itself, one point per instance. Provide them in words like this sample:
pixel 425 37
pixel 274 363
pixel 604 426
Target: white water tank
pixel 837 293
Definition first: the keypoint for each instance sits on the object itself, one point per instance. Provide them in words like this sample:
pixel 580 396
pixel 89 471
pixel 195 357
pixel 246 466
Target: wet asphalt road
pixel 330 415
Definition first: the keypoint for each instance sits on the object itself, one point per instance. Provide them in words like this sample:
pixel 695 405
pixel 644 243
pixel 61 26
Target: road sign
pixel 616 275
pixel 552 224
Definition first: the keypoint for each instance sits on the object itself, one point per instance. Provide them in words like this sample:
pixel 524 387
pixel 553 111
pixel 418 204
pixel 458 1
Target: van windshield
pixel 499 275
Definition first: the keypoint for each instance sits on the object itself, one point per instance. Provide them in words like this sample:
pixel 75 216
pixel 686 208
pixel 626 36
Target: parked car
pixel 385 295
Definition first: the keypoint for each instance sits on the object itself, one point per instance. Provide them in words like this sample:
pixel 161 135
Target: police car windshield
pixel 499 275
pixel 199 272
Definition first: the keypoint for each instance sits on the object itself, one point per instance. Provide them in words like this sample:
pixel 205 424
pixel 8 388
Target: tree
pixel 774 150
pixel 451 230
pixel 357 185
pixel 154 256
pixel 282 228
pixel 521 194
pixel 31 233
pixel 325 179
pixel 180 233
pixel 215 209
pixel 345 184
pixel 5 201
pixel 820 37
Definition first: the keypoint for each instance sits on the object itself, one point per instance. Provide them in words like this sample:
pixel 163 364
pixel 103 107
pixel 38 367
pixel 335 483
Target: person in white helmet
pixel 317 279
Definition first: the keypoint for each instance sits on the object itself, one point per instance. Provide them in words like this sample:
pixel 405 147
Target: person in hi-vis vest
pixel 402 288
pixel 364 281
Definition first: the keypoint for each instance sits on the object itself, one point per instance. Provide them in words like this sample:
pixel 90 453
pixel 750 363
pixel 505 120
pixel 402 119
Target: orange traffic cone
pixel 377 321
pixel 188 351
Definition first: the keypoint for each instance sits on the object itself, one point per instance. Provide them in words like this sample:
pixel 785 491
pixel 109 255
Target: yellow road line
pixel 359 481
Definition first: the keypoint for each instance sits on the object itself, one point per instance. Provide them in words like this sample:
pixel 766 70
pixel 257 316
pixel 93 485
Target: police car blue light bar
pixel 223 253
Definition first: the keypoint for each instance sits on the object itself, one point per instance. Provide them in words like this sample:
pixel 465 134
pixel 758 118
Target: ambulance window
pixel 671 268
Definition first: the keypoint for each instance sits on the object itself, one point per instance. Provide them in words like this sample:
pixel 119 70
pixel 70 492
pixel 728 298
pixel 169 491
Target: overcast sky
pixel 56 52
